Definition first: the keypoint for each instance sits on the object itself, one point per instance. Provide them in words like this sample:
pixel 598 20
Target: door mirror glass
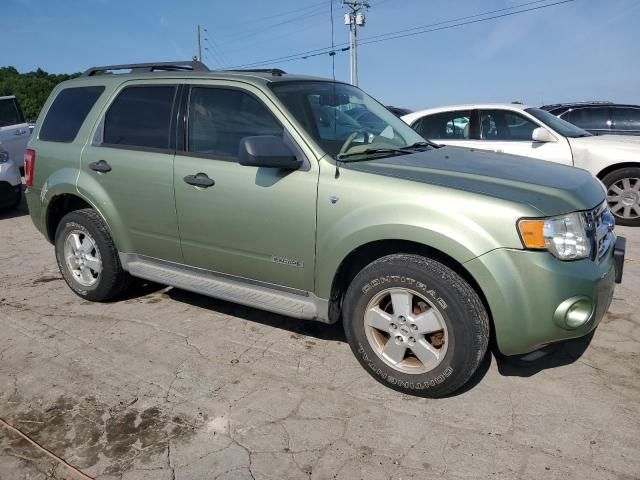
pixel 542 135
pixel 267 151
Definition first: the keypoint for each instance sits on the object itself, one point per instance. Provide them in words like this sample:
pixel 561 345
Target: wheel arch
pixel 616 166
pixel 59 206
pixel 364 254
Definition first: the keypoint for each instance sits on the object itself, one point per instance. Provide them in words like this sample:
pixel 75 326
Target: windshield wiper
pixel 372 151
pixel 426 143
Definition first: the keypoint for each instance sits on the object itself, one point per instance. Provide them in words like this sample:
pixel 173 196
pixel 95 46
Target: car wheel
pixel 87 257
pixel 623 195
pixel 415 325
pixel 18 199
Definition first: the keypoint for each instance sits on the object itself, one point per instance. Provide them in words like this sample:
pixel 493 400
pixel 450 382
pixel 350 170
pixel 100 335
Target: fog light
pixel 573 312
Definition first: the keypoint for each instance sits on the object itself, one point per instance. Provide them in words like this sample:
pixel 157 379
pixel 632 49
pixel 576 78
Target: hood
pixel 623 142
pixel 551 188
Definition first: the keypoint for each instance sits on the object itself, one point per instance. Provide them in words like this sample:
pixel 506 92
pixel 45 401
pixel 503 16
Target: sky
pixel 577 51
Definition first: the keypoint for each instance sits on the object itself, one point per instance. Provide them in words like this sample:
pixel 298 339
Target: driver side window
pixel 220 118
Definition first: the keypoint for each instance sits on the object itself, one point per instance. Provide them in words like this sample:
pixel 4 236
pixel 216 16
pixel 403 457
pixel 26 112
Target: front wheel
pixel 623 195
pixel 415 325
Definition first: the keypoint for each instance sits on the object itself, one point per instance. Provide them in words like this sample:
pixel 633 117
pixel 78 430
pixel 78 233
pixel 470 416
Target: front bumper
pixel 525 289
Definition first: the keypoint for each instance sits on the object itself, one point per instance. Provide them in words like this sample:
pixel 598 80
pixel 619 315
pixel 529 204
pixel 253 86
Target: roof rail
pixel 568 104
pixel 179 66
pixel 276 72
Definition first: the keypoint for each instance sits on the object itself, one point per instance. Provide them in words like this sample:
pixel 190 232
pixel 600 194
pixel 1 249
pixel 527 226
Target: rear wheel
pixel 623 195
pixel 87 257
pixel 415 325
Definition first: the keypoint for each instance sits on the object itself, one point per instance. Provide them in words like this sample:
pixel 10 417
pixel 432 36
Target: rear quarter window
pixel 10 114
pixel 68 112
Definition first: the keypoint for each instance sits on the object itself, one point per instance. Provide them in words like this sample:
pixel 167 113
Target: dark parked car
pixel 399 111
pixel 600 118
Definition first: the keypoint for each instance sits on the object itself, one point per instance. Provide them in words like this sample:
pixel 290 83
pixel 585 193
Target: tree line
pixel 30 88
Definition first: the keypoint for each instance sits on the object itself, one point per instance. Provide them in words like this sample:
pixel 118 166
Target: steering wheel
pixel 347 143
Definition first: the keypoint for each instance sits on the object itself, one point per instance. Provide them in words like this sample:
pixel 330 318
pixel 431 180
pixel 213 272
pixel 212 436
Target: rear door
pixel 508 131
pixel 626 120
pixel 255 223
pixel 14 130
pixel 128 168
pixel 596 120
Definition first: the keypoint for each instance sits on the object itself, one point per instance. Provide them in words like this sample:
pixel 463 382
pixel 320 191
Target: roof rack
pixel 276 72
pixel 179 66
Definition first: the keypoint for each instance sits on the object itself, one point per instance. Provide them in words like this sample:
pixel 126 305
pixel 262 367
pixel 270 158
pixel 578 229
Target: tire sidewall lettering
pixel 406 281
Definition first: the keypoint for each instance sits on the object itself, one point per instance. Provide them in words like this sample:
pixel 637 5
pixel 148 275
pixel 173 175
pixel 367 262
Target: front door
pixel 255 223
pixel 128 170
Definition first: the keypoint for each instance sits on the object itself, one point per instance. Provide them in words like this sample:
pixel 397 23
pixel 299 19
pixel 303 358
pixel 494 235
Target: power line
pixel 443 22
pixel 308 13
pixel 214 48
pixel 371 41
pixel 281 14
pixel 402 34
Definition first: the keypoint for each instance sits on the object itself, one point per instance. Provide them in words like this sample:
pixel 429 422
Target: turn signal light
pixel 532 233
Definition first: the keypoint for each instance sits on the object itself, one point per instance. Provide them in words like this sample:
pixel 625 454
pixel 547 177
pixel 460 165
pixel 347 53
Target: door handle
pixel 100 167
pixel 199 180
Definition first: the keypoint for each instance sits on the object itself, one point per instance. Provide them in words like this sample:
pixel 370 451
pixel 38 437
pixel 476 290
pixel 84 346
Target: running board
pixel 273 298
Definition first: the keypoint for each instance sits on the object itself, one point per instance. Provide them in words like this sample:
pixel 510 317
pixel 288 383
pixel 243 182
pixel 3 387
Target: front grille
pixel 600 224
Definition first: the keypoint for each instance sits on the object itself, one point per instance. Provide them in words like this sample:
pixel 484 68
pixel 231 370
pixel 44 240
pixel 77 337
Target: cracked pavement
pixel 165 384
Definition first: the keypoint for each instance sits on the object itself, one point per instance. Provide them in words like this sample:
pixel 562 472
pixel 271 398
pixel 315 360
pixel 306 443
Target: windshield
pixel 343 119
pixel 561 126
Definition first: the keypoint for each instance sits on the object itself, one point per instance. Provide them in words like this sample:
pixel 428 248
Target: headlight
pixel 565 237
pixel 4 156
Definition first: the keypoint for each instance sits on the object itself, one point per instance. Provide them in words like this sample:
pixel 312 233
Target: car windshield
pixel 343 119
pixel 561 126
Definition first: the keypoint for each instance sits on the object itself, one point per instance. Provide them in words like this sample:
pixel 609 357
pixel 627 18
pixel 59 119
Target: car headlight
pixel 4 156
pixel 565 236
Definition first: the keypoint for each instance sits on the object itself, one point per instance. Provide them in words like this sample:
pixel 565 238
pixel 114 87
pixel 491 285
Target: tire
pixel 98 276
pixel 18 199
pixel 623 195
pixel 435 364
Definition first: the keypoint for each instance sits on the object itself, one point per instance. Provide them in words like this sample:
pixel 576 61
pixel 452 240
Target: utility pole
pixel 355 18
pixel 198 36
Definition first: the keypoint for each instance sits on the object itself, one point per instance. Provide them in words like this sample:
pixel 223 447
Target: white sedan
pixel 531 132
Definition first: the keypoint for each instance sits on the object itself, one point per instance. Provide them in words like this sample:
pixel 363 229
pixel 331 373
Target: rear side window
pixel 68 112
pixel 220 118
pixel 9 113
pixel 627 118
pixel 140 117
pixel 445 125
pixel 589 118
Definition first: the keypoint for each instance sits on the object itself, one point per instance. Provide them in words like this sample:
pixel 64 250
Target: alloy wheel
pixel 82 258
pixel 406 330
pixel 623 198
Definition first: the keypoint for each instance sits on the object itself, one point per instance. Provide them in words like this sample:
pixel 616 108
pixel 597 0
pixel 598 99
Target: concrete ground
pixel 167 384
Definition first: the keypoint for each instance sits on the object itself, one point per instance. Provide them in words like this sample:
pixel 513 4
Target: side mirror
pixel 267 151
pixel 543 135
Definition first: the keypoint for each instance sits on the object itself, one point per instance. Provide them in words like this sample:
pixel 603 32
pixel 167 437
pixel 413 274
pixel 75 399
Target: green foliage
pixel 31 88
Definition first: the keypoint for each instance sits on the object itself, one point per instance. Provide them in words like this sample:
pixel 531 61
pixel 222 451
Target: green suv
pixel 308 198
